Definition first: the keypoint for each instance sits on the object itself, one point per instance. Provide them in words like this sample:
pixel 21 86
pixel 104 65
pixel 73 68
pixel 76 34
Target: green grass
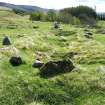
pixel 23 85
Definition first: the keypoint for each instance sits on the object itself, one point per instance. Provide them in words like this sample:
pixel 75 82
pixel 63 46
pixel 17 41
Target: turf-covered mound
pixel 65 32
pixel 25 43
pixel 89 51
pixel 9 51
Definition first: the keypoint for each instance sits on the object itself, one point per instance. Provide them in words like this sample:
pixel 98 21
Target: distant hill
pixel 26 8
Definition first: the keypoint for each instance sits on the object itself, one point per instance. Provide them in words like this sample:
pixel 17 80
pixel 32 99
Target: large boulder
pixel 37 64
pixel 6 41
pixel 15 61
pixel 53 68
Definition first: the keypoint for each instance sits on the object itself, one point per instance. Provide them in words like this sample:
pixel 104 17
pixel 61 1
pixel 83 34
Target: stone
pixel 56 25
pixel 15 61
pixel 35 27
pixel 37 64
pixel 88 36
pixel 19 36
pixel 6 41
pixel 53 68
pixel 89 33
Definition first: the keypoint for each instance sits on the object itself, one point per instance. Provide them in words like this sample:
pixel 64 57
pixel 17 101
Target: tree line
pixel 101 16
pixel 73 15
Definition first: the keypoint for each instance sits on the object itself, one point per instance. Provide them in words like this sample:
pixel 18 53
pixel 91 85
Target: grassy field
pixel 23 85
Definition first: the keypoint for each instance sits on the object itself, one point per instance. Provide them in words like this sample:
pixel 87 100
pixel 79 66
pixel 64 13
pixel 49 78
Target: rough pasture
pixel 22 85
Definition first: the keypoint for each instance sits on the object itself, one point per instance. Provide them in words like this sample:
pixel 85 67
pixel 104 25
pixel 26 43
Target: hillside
pixel 25 8
pixel 23 85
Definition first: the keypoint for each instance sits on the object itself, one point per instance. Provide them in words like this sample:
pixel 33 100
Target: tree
pixel 77 11
pixel 20 12
pixel 36 16
pixel 85 14
pixel 51 15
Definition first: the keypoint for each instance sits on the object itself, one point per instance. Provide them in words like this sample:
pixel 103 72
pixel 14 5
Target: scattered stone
pixel 89 33
pixel 37 64
pixel 53 68
pixel 88 36
pixel 35 27
pixel 6 41
pixel 20 36
pixel 86 30
pixel 15 61
pixel 56 25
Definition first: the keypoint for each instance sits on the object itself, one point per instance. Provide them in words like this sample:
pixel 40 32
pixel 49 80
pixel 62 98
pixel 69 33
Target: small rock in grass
pixel 89 33
pixel 20 36
pixel 35 27
pixel 56 25
pixel 15 61
pixel 88 36
pixel 71 54
pixel 37 64
pixel 6 41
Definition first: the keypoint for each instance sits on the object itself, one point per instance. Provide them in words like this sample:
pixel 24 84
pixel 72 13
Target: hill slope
pixel 26 8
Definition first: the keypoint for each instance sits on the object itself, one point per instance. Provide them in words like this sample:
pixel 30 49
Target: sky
pixel 58 4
